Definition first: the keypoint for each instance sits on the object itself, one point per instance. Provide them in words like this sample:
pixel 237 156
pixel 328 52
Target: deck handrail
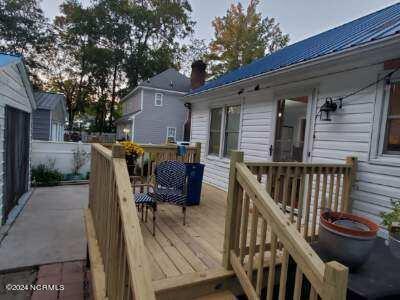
pixel 116 248
pixel 250 203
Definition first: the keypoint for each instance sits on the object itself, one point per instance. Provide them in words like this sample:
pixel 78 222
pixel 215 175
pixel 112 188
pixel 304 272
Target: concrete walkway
pixel 49 229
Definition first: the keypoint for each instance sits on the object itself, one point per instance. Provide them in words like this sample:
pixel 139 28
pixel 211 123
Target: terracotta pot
pixel 347 238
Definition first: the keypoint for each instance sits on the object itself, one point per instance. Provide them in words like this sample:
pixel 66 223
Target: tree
pixel 242 36
pixel 113 44
pixel 196 49
pixel 24 30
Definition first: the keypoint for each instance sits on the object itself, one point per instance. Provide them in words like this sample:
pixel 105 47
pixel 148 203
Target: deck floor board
pixel 177 249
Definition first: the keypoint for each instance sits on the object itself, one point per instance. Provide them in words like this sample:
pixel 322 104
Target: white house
pixel 271 108
pixel 16 106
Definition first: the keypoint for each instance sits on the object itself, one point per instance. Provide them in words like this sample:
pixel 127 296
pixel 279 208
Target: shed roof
pixel 378 25
pixel 6 59
pixel 47 100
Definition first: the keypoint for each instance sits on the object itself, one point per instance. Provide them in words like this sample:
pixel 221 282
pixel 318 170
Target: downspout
pixel 188 123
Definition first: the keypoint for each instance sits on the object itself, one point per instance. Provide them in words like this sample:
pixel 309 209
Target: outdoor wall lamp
pixel 328 107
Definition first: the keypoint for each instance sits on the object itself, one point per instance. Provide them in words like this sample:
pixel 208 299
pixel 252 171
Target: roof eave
pixel 306 64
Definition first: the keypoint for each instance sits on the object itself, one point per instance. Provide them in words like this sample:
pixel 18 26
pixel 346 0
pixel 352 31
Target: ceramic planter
pixel 347 238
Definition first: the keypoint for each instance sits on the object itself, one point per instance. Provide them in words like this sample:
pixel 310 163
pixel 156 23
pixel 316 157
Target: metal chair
pixel 170 184
pixel 143 199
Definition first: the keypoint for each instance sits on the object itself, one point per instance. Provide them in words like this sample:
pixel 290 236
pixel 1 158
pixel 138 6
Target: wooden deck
pixel 196 247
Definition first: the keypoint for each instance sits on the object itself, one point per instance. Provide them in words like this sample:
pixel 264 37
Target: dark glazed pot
pixel 347 238
pixel 131 163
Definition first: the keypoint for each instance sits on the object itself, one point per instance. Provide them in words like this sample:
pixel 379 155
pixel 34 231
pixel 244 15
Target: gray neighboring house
pixel 154 110
pixel 49 117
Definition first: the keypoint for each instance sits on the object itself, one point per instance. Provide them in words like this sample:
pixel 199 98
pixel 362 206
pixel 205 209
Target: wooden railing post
pixel 197 156
pixel 230 221
pixel 335 281
pixel 350 160
pixel 118 151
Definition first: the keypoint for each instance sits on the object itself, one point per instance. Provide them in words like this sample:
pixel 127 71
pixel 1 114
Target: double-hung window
pixel 158 99
pixel 392 130
pixel 215 131
pixel 224 130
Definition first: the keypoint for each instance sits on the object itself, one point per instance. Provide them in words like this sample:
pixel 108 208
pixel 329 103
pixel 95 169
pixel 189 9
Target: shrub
pixel 43 175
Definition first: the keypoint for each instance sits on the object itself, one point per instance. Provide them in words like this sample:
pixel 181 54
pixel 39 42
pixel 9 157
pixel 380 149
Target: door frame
pixel 311 103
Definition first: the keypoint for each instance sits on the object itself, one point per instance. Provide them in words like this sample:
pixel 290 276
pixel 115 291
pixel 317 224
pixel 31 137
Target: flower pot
pixel 394 244
pixel 131 163
pixel 347 238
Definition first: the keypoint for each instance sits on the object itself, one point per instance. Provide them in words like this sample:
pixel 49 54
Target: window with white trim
pixel 391 142
pixel 158 99
pixel 224 130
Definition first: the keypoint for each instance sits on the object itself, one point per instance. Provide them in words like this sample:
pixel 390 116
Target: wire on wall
pixel 386 78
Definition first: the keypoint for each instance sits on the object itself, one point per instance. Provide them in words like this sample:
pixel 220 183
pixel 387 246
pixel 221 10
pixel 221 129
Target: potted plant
pixel 391 220
pixel 132 152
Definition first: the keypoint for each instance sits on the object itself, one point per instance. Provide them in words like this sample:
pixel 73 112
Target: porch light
pixel 328 107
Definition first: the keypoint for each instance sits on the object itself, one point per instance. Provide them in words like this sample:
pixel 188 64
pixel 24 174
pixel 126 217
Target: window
pixel 392 132
pixel 224 128
pixel 215 131
pixel 171 132
pixel 231 129
pixel 158 99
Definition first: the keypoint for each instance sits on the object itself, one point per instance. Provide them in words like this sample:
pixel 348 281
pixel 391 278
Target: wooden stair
pixel 225 295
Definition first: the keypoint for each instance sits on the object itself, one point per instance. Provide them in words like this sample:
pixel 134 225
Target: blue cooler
pixel 194 173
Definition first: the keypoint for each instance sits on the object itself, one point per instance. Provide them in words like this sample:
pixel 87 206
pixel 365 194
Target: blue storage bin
pixel 194 173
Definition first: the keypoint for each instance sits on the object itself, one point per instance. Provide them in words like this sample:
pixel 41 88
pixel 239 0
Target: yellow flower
pixel 132 148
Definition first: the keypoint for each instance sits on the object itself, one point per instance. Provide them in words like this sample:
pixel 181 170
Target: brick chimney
pixel 198 76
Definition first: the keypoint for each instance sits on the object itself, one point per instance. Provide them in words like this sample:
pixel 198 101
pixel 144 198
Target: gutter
pixel 301 65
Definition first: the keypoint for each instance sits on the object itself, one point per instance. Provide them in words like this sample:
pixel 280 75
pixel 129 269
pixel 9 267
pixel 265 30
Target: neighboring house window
pixel 158 99
pixel 215 131
pixel 392 131
pixel 224 130
pixel 171 132
pixel 232 124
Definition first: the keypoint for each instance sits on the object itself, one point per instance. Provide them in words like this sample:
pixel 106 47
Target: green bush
pixel 43 175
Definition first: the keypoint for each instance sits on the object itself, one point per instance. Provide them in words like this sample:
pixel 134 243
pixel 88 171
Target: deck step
pixel 225 295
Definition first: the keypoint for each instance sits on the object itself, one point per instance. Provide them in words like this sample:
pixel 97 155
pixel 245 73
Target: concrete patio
pixel 49 229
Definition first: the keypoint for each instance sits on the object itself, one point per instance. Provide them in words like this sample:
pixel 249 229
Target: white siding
pixel 216 171
pixel 12 93
pixel 254 137
pixel 348 134
pixel 256 127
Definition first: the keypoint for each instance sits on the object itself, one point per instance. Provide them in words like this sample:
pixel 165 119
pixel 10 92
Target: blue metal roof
pixel 6 59
pixel 375 26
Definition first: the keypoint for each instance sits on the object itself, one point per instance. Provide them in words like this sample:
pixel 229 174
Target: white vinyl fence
pixel 60 155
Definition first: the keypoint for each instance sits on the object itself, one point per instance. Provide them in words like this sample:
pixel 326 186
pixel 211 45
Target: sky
pixel 299 18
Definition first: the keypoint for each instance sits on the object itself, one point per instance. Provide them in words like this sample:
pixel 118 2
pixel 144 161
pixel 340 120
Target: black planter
pixel 131 163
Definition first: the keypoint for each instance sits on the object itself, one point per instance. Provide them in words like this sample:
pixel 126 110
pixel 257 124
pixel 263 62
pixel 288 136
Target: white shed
pixel 16 106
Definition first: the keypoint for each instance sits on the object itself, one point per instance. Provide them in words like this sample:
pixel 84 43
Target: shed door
pixel 16 157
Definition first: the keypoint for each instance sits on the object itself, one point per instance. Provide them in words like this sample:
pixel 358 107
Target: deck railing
pixel 260 228
pixel 153 154
pixel 118 258
pixel 117 253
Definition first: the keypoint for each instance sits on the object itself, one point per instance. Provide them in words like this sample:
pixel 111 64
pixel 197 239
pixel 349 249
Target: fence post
pixel 230 222
pixel 335 281
pixel 352 161
pixel 198 153
pixel 118 151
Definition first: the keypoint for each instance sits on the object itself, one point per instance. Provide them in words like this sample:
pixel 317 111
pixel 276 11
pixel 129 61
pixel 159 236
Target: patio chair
pixel 170 184
pixel 143 199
